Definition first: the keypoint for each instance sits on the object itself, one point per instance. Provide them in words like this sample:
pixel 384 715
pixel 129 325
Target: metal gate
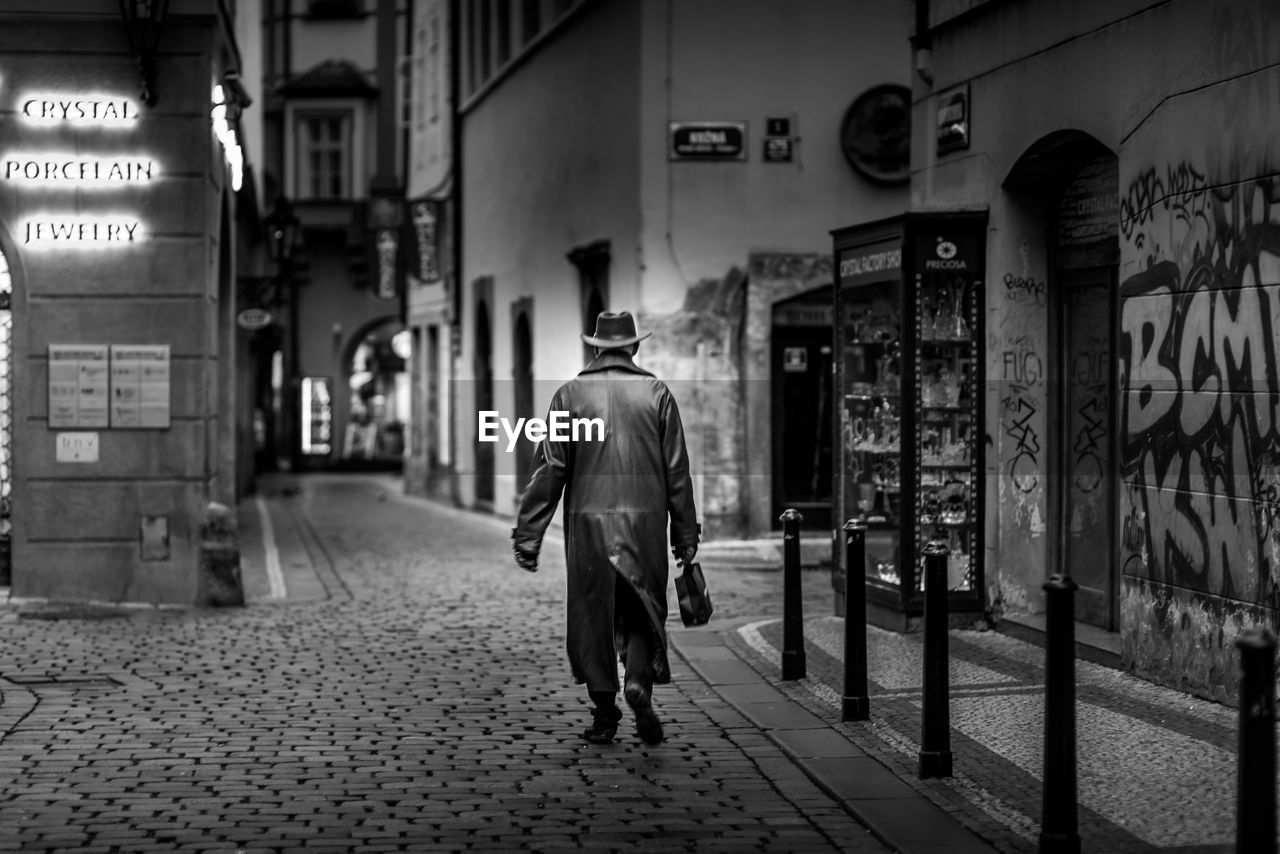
pixel 6 421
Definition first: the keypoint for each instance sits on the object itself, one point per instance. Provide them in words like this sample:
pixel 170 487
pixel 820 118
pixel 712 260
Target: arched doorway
pixel 1074 180
pixel 482 371
pixel 522 380
pixel 378 385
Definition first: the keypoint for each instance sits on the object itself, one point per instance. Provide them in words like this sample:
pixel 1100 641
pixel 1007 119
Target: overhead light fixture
pixel 235 97
pixel 282 231
pixel 143 20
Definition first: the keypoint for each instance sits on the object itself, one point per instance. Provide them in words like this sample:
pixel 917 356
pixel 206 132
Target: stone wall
pixel 697 352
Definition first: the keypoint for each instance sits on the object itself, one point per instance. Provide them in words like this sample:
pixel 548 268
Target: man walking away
pixel 619 493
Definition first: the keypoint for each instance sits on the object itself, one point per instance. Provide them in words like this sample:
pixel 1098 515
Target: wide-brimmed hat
pixel 614 329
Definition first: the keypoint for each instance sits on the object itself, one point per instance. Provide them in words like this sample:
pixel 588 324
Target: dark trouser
pixel 638 646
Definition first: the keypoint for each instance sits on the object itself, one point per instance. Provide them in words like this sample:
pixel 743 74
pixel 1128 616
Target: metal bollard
pixel 1059 832
pixel 855 706
pixel 1256 776
pixel 793 666
pixel 935 741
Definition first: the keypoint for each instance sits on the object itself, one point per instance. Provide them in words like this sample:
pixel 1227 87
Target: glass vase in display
pixel 957 570
pixel 959 329
pixel 947 390
pixel 882 375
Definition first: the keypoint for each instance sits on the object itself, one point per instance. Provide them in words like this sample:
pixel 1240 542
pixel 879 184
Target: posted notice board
pixel 139 386
pixel 78 385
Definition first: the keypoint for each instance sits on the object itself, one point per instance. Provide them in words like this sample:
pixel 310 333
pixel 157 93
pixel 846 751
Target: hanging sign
pixel 387 243
pixel 253 318
pixel 424 226
pixel 78 385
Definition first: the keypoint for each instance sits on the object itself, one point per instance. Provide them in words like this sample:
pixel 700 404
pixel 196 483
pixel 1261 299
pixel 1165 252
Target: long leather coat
pixel 618 494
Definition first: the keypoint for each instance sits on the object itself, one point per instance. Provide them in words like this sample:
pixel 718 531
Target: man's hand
pixel 525 559
pixel 685 554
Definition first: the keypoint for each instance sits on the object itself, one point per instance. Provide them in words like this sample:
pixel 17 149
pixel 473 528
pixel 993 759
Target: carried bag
pixel 691 590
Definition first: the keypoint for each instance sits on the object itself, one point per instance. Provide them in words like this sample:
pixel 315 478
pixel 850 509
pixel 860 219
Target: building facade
pixel 1124 155
pixel 684 162
pixel 331 384
pixel 429 265
pixel 124 218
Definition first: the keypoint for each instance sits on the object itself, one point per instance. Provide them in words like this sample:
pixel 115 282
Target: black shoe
pixel 604 725
pixel 648 727
pixel 600 732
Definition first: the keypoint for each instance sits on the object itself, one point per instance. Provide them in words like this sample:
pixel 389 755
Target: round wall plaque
pixel 875 134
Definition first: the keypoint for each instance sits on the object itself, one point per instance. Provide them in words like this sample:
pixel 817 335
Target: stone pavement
pixel 395 684
pixel 1156 767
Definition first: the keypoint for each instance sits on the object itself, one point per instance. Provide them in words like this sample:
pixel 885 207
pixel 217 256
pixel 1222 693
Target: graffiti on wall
pixel 1017 348
pixel 1019 405
pixel 1088 417
pixel 1198 356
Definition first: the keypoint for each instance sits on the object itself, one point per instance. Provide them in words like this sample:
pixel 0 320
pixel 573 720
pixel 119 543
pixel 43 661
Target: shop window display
pixel 908 333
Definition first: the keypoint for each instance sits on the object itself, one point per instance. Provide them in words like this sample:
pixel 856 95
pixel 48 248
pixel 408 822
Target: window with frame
pixel 324 155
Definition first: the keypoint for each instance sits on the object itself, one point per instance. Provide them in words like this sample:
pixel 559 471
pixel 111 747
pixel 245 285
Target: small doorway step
pixel 1092 643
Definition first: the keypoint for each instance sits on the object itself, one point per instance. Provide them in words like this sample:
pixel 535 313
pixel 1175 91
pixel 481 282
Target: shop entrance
pixel 379 404
pixel 1085 263
pixel 1085 306
pixel 800 355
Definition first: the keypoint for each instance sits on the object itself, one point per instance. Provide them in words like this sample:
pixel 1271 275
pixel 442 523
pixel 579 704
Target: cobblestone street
pixel 416 699
pixel 397 684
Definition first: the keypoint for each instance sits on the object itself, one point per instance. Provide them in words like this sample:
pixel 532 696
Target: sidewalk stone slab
pixel 780 714
pixel 727 672
pixel 858 779
pixel 815 743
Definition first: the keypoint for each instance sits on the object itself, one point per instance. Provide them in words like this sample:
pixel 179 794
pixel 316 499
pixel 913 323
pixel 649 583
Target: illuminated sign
pixel 227 136
pixel 68 170
pixel 51 109
pixel 424 224
pixel 387 244
pixel 73 232
pixel 74 170
pixel 317 415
